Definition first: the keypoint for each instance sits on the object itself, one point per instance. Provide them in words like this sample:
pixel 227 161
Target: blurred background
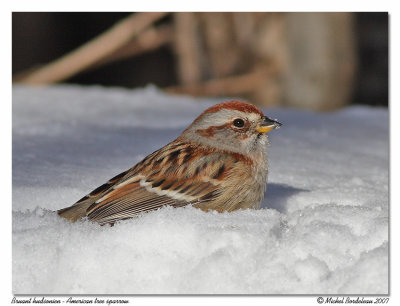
pixel 317 61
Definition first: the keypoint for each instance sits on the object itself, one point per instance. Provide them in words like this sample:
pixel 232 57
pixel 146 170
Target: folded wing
pixel 162 178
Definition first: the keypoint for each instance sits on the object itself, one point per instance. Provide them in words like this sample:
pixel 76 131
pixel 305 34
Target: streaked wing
pixel 162 178
pixel 127 201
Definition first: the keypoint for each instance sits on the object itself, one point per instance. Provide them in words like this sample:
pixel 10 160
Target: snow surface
pixel 323 228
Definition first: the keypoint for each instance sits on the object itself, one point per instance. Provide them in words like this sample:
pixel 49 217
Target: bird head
pixel 234 126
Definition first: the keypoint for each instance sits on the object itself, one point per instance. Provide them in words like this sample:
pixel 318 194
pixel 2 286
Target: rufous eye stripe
pixel 210 131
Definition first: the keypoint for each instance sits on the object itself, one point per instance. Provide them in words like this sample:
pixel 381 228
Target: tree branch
pixel 94 50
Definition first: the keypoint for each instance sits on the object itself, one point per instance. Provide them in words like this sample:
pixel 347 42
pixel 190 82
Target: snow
pixel 323 227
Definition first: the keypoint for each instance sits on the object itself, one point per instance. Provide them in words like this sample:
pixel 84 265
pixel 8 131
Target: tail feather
pixel 74 212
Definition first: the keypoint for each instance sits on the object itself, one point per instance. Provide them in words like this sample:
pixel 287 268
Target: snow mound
pixel 323 228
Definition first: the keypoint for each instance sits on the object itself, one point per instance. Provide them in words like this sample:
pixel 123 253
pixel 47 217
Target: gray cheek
pixel 228 138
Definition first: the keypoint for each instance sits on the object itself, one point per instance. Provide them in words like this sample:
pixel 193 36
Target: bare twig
pixel 220 42
pixel 150 39
pixel 187 47
pixel 93 51
pixel 233 85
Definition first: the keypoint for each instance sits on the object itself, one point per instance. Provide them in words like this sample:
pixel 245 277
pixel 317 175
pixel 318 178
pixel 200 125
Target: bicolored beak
pixel 267 125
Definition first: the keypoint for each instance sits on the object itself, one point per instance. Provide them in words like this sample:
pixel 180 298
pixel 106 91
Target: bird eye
pixel 238 123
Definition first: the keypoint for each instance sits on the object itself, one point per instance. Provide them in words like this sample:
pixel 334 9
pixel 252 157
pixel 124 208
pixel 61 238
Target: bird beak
pixel 267 125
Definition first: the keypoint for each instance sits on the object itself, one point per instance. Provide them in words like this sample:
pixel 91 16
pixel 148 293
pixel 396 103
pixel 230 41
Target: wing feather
pixel 162 178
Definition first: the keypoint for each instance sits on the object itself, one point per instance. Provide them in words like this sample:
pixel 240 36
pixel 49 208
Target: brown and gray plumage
pixel 218 163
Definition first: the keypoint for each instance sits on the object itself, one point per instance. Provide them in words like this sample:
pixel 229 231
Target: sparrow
pixel 218 163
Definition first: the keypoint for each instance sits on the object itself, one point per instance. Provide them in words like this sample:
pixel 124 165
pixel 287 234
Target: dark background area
pixel 38 38
pixel 372 82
